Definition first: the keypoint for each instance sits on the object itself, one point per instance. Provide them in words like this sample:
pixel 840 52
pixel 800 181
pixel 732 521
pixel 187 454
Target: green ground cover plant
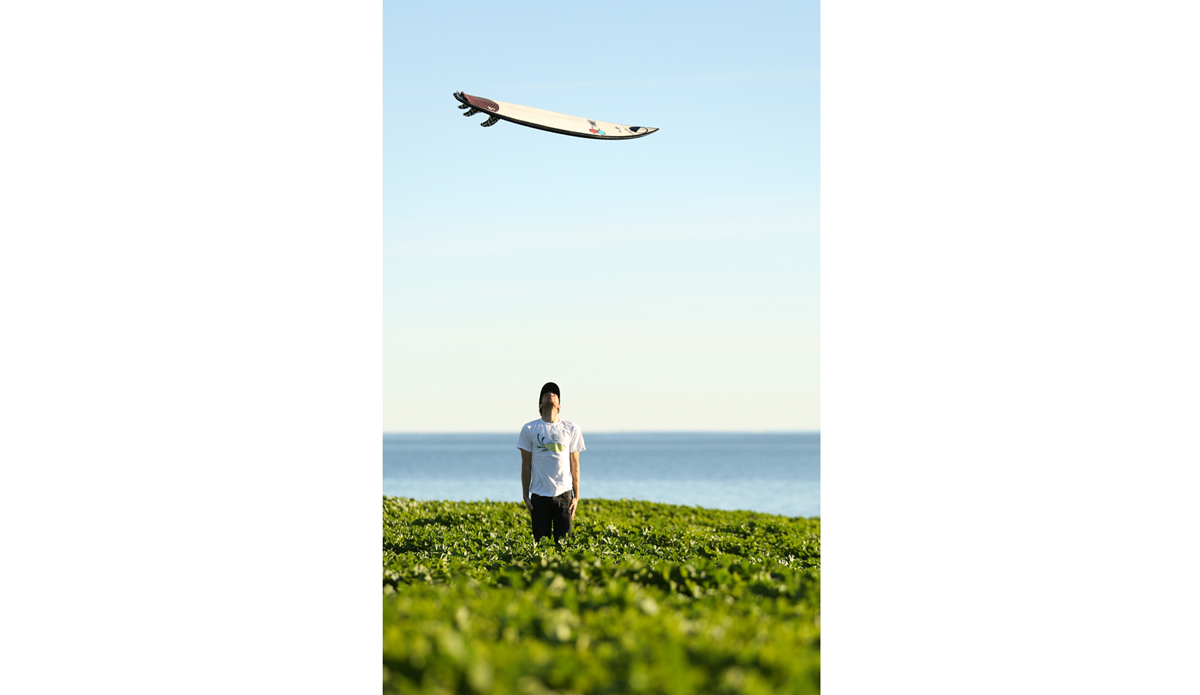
pixel 643 598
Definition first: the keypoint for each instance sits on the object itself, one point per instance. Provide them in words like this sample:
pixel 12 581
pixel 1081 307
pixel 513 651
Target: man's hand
pixel 529 505
pixel 574 504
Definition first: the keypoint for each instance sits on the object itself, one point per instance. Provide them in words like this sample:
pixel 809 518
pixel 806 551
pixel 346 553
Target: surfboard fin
pixel 471 112
pixel 463 106
pixel 491 121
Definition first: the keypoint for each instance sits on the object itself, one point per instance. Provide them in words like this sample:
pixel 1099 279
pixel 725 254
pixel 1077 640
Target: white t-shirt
pixel 551 445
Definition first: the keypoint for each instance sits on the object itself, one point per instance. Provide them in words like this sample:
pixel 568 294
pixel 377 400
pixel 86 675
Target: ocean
pixel 777 473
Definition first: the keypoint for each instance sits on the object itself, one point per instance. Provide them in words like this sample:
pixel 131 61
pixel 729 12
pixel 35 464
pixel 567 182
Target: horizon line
pixel 817 431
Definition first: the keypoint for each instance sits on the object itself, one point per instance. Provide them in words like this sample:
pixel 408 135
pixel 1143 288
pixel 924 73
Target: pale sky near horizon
pixel 665 283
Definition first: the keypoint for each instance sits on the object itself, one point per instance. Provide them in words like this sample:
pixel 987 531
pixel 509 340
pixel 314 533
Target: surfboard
pixel 548 120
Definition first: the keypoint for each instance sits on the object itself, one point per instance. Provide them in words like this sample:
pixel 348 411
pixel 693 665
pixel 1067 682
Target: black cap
pixel 550 387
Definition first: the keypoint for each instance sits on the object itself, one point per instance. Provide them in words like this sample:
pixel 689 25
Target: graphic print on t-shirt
pixel 550 445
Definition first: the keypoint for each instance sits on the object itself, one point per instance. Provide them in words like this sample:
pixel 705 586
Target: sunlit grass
pixel 645 597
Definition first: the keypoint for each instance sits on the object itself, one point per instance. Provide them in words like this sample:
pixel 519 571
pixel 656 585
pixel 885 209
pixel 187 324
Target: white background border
pixel 1009 342
pixel 191 287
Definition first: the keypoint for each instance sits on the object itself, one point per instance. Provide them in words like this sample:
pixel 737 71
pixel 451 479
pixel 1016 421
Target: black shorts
pixel 551 514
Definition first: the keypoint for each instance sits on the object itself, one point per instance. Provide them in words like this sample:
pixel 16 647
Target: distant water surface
pixel 777 473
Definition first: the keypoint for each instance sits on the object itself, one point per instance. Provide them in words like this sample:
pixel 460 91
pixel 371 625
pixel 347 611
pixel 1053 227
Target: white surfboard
pixel 548 120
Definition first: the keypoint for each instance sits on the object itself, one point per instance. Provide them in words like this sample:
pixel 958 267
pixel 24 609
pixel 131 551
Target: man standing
pixel 550 449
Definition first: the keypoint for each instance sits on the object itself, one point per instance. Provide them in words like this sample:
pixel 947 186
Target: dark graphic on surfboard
pixel 548 120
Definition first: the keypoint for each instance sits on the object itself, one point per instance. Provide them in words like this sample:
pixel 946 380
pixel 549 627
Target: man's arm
pixel 574 482
pixel 526 473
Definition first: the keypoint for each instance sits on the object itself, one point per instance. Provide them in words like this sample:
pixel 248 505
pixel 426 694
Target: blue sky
pixel 665 283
